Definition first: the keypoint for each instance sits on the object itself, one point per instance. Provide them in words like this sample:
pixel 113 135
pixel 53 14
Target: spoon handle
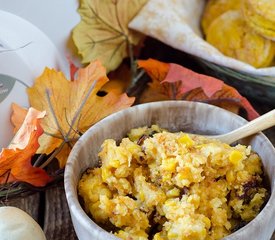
pixel 261 123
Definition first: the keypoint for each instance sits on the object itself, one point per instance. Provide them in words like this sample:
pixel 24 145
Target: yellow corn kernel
pixel 172 235
pixel 227 225
pixel 133 148
pixel 182 180
pixel 141 196
pixel 235 157
pixel 180 177
pixel 230 176
pixel 170 203
pixel 114 163
pixel 166 177
pixel 175 192
pixel 169 164
pixel 207 222
pixel 185 139
pixel 194 200
pixel 157 236
pixel 106 192
pixel 105 174
pixel 156 128
pixel 202 233
pixel 185 173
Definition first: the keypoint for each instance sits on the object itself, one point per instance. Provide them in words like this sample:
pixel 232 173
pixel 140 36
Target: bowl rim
pixel 71 193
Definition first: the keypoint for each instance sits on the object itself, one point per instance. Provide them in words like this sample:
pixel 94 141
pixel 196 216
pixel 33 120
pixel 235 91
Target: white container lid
pixel 24 53
pixel 56 18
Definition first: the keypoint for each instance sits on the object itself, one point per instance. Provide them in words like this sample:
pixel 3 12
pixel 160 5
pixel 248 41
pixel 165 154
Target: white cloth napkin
pixel 177 23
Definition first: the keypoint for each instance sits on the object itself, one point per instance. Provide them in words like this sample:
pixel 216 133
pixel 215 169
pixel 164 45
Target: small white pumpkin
pixel 15 224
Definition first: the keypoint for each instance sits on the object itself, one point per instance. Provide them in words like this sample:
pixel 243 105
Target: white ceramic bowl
pixel 174 116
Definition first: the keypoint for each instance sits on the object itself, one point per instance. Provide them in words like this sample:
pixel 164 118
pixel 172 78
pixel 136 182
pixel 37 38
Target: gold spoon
pixel 259 124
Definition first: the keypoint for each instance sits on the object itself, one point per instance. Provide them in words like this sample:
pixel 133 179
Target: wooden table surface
pixel 50 208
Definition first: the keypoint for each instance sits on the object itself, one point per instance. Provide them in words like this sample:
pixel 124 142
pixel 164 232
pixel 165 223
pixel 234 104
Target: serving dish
pixel 173 115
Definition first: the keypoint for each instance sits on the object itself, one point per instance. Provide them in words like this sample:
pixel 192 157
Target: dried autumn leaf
pixel 157 71
pixel 18 116
pixel 15 161
pixel 120 80
pixel 72 106
pixel 173 81
pixel 228 98
pixel 190 80
pixel 103 32
pixel 230 104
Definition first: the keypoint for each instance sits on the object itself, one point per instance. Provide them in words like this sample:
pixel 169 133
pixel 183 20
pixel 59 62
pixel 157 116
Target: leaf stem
pixel 132 60
pixel 54 115
pixel 136 78
pixel 77 113
pixel 66 136
pixel 39 160
pixel 68 122
pixel 53 155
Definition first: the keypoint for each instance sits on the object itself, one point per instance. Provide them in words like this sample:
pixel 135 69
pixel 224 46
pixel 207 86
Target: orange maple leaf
pixel 72 106
pixel 18 116
pixel 119 79
pixel 228 98
pixel 157 71
pixel 190 80
pixel 172 81
pixel 15 161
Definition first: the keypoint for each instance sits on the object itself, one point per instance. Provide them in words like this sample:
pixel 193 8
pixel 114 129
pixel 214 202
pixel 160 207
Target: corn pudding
pixel 161 185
